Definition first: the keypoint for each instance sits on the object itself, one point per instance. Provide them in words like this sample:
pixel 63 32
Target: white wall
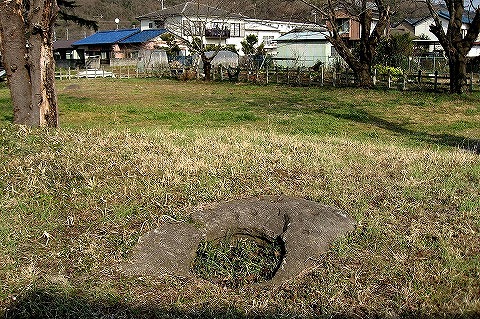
pixel 305 53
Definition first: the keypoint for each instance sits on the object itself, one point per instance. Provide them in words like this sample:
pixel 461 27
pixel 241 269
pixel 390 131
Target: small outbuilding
pixel 303 48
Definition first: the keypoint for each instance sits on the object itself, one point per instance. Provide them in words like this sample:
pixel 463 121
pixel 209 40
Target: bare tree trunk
pixel 455 44
pixel 207 67
pixel 26 29
pixel 458 73
pixel 363 76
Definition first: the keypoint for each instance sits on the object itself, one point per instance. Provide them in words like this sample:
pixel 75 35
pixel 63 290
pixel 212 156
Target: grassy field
pixel 74 201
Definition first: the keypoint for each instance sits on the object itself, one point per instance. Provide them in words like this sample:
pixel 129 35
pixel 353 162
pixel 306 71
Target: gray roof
pixel 303 36
pixel 188 9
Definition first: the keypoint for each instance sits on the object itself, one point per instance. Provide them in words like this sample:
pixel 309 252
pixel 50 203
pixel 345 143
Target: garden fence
pixel 417 80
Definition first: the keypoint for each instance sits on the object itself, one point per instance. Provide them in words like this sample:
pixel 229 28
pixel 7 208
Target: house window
pixel 268 40
pixel 150 25
pixel 343 25
pixel 235 30
pixel 132 55
pixel 217 25
pixel 193 28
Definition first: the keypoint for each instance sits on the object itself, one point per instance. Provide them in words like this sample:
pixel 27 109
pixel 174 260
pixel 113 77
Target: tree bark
pixel 26 29
pixel 455 45
pixel 207 66
pixel 458 73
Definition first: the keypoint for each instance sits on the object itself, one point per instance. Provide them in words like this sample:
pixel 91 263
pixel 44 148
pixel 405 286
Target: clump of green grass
pixel 235 261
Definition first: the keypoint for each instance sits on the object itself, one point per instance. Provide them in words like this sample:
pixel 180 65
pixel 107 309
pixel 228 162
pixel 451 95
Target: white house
pixel 421 28
pixel 215 26
pixel 189 20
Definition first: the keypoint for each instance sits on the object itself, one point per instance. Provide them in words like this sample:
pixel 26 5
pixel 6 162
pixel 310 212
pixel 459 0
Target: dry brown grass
pixel 74 202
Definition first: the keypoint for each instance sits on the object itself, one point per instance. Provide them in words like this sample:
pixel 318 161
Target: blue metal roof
pixel 466 18
pixel 107 37
pixel 143 36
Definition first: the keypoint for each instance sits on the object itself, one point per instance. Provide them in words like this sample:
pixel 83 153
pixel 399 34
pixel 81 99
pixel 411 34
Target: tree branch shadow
pixel 362 116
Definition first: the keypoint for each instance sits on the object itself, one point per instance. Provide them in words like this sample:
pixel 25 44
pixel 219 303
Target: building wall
pixel 176 25
pixel 306 54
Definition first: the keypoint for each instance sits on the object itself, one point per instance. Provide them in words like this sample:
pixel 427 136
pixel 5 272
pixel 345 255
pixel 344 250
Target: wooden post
pixel 288 75
pixel 221 72
pixel 276 74
pixel 309 77
pixel 471 81
pixel 389 79
pixel 334 77
pixel 419 78
pixel 322 79
pixel 266 75
pixel 69 73
pixel 136 72
pixel 256 74
pixel 404 81
pixel 374 77
pixel 299 80
pixel 435 83
pixel 128 72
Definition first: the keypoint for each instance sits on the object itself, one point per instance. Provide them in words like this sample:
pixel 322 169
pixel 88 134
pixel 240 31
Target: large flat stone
pixel 307 229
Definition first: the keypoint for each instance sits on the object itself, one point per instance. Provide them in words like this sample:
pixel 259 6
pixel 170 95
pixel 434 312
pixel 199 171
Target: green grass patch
pixel 236 260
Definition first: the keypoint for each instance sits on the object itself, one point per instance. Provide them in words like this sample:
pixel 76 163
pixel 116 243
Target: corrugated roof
pixel 414 21
pixel 303 36
pixel 143 36
pixel 63 44
pixel 107 37
pixel 465 17
pixel 188 9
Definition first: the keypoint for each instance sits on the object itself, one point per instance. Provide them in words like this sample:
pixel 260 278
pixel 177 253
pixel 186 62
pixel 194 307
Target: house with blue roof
pixel 123 46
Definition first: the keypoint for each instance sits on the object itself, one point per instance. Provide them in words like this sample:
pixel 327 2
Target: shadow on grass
pixel 362 116
pixel 51 303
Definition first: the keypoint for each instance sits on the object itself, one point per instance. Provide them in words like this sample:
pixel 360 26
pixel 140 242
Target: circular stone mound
pixel 306 228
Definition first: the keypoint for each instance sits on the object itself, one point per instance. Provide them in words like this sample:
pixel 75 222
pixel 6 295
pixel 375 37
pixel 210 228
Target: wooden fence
pixel 422 81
